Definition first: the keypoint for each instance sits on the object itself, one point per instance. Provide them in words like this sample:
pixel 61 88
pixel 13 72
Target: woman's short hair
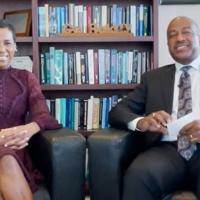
pixel 5 24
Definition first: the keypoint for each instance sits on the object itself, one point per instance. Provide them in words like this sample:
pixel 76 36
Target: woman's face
pixel 7 47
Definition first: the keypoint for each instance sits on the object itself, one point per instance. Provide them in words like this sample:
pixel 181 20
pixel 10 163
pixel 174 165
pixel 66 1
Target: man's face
pixel 183 40
pixel 7 47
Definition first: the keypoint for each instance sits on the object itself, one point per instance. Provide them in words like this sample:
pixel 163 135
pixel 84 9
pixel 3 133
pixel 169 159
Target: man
pixel 164 165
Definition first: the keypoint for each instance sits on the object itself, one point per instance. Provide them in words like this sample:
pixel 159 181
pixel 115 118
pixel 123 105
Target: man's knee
pixel 138 174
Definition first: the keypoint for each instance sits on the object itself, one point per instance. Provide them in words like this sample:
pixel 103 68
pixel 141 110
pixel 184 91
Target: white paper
pixel 174 127
pixel 22 62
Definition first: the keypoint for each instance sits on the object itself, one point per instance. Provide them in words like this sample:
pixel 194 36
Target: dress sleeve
pixel 38 109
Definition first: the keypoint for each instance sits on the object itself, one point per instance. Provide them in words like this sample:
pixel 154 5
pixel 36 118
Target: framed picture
pixel 168 2
pixel 21 20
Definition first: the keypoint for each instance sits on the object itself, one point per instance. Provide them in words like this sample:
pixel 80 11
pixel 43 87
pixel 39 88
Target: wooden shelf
pixel 88 87
pixel 24 39
pixel 85 91
pixel 94 39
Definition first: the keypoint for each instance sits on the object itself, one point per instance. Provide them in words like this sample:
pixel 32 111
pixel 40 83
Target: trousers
pixel 161 170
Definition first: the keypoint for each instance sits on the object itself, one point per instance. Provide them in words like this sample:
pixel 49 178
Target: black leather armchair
pixel 110 153
pixel 60 155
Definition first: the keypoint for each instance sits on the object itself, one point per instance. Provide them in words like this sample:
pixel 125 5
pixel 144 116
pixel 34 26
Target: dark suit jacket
pixel 153 94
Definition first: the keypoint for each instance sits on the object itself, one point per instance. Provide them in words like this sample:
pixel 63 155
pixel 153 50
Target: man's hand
pixel 192 131
pixel 155 122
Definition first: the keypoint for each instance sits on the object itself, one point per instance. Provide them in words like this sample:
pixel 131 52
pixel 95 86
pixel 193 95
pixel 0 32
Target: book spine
pixel 65 70
pixel 41 21
pixel 90 53
pixel 42 69
pixel 58 67
pixel 78 67
pixel 90 113
pixel 101 61
pixel 52 64
pixel 46 8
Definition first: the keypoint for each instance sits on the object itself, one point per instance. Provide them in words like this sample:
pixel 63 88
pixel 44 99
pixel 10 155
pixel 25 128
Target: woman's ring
pixel 191 137
pixel 153 115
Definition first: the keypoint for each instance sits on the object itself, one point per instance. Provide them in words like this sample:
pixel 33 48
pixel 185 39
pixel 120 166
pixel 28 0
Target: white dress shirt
pixel 195 83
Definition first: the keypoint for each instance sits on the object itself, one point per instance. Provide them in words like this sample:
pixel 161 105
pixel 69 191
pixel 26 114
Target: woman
pixel 19 94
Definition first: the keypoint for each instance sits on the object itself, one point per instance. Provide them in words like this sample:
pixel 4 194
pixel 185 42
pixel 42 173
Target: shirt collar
pixel 195 64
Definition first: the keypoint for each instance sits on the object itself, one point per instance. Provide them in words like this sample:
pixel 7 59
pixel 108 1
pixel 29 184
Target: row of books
pixel 82 114
pixel 102 66
pixel 52 19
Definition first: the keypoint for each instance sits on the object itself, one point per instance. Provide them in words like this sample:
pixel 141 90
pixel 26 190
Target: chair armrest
pixel 60 155
pixel 110 153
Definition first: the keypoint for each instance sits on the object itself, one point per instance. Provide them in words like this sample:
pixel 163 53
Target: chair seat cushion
pixel 41 194
pixel 181 195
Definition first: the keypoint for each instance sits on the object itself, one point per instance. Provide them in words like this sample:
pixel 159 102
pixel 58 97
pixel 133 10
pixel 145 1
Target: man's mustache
pixel 179 44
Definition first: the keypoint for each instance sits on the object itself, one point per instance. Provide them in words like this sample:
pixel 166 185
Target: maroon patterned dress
pixel 20 93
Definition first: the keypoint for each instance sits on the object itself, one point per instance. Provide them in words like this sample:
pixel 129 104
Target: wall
pixel 166 13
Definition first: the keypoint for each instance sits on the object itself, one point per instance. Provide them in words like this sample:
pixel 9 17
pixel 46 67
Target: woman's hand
pixel 18 137
pixel 155 122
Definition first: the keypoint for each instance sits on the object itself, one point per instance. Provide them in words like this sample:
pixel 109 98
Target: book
pixel 41 21
pixel 90 54
pixel 78 67
pixel 22 62
pixel 113 67
pixel 52 64
pixel 95 117
pixel 101 61
pixel 58 67
pixel 90 112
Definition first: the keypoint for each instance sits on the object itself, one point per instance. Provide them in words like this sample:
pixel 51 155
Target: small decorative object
pixel 168 2
pixel 70 29
pixel 124 28
pixel 21 20
pixel 121 30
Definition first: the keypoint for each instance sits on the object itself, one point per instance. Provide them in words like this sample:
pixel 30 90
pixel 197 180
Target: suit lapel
pixel 167 90
pixel 168 87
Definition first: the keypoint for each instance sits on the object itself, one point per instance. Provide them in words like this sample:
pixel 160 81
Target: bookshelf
pixel 34 45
